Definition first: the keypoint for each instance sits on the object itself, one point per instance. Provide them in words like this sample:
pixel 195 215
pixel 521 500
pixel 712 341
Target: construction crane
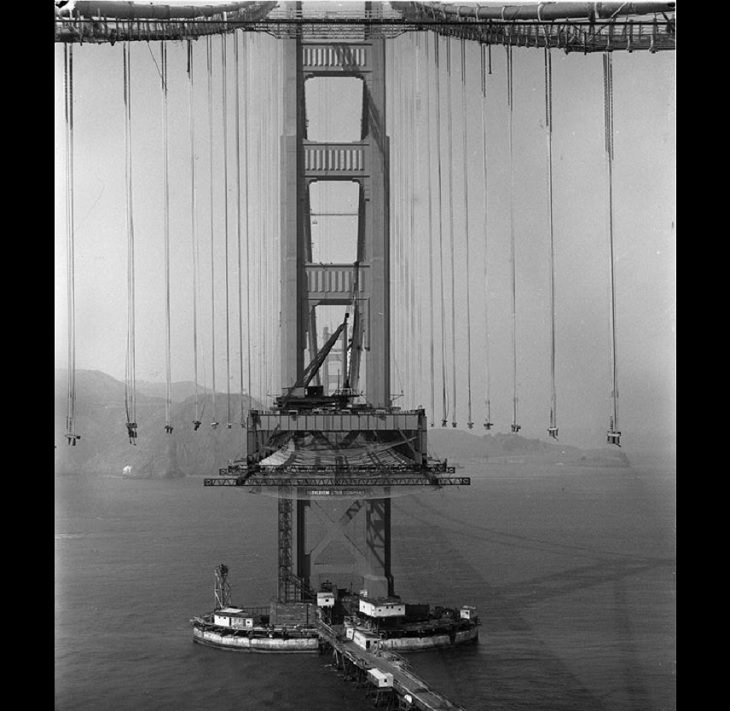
pixel 302 396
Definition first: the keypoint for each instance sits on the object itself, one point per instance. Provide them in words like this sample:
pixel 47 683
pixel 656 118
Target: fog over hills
pixel 105 449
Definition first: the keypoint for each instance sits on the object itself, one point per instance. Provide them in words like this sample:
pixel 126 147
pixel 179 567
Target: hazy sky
pixel 644 232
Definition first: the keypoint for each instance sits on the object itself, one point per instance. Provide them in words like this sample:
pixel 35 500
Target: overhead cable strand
pixel 614 435
pixel 553 426
pixel 445 409
pixel 130 386
pixel 71 435
pixel 214 423
pixel 452 235
pixel 487 374
pixel 465 159
pixel 193 229
pixel 166 206
pixel 510 103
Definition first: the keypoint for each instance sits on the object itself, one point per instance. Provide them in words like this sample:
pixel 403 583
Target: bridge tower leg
pixel 363 531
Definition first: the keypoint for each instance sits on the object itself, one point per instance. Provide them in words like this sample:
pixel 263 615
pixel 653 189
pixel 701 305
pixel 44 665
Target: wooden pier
pixel 407 690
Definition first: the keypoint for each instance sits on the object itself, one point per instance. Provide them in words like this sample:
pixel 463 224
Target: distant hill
pixel 456 445
pixel 104 447
pixel 181 390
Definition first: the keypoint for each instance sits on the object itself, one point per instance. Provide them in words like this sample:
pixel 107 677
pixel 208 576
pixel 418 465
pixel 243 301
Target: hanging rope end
pixel 553 432
pixel 132 432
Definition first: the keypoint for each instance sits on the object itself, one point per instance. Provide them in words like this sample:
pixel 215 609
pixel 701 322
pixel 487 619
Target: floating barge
pixel 369 623
pixel 250 630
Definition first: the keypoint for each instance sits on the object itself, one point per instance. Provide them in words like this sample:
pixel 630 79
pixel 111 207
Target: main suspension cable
pixel 71 435
pixel 613 435
pixel 130 386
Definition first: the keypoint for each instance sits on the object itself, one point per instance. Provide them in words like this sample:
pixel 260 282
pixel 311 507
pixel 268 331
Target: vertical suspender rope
pixel 410 255
pixel 429 294
pixel 237 63
pixel 452 236
pixel 259 252
pixel 71 435
pixel 265 227
pixel 614 435
pixel 469 423
pixel 166 206
pixel 130 368
pixel 510 104
pixel 246 143
pixel 399 219
pixel 209 49
pixel 417 253
pixel 224 92
pixel 270 232
pixel 193 229
pixel 441 233
pixel 487 374
pixel 414 254
pixel 553 426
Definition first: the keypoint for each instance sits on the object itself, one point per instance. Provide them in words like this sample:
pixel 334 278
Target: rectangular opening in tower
pixel 334 221
pixel 333 108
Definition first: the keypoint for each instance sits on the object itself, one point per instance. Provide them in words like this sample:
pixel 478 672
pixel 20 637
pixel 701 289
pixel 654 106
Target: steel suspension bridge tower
pixel 335 456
